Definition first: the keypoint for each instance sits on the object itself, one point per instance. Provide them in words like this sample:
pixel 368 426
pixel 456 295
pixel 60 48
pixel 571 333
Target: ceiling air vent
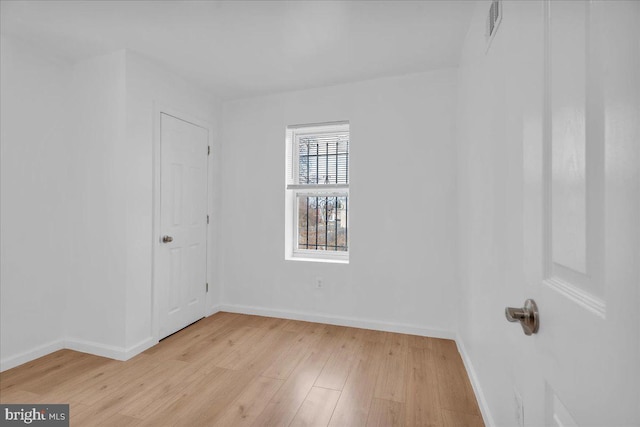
pixel 493 20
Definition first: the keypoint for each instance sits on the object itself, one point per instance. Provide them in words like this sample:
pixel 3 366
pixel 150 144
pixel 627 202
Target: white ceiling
pixel 246 48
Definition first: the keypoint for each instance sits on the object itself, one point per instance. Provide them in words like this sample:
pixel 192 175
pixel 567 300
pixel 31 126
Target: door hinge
pixel 207 287
pixel 207 219
pixel 208 150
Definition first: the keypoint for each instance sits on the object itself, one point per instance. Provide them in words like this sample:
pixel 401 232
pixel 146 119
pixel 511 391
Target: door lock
pixel 528 316
pixel 167 239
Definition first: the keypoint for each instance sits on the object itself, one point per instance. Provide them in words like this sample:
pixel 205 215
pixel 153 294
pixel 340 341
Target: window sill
pixel 313 259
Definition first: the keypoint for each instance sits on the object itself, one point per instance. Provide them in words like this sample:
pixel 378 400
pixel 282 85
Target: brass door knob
pixel 167 239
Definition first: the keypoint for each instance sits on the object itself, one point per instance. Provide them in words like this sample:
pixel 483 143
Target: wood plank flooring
pixel 239 370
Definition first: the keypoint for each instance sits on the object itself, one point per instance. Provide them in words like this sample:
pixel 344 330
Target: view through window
pixel 319 181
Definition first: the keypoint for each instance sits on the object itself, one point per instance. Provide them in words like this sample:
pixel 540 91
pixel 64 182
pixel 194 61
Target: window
pixel 318 192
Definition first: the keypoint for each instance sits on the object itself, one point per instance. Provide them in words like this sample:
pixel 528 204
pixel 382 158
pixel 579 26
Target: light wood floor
pixel 235 370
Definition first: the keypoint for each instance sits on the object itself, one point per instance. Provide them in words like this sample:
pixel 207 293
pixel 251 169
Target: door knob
pixel 528 316
pixel 167 239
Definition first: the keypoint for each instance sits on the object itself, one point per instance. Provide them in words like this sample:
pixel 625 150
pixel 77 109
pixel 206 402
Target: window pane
pixel 323 159
pixel 322 223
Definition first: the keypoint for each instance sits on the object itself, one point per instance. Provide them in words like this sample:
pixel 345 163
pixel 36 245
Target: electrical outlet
pixel 518 408
pixel 319 283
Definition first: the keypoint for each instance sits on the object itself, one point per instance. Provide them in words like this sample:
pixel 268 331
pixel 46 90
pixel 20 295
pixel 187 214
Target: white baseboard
pixel 110 351
pixel 122 353
pixel 401 328
pixel 214 309
pixel 83 346
pixel 97 349
pixel 138 348
pixel 475 383
pixel 27 356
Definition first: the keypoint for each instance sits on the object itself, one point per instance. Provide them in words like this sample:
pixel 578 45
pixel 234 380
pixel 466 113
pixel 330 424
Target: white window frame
pixel 295 190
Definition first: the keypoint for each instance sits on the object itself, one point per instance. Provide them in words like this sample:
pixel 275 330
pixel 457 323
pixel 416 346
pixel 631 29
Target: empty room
pixel 320 213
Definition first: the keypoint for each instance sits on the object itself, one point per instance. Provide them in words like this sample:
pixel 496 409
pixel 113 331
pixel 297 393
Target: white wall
pixel 96 308
pixel 402 272
pixel 111 310
pixel 495 95
pixel 149 85
pixel 77 201
pixel 36 176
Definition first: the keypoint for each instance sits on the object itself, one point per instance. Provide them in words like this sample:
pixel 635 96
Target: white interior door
pixel 183 222
pixel 582 220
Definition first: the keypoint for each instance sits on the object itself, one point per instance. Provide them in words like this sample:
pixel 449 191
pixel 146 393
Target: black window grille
pixel 322 222
pixel 323 159
pixel 322 219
